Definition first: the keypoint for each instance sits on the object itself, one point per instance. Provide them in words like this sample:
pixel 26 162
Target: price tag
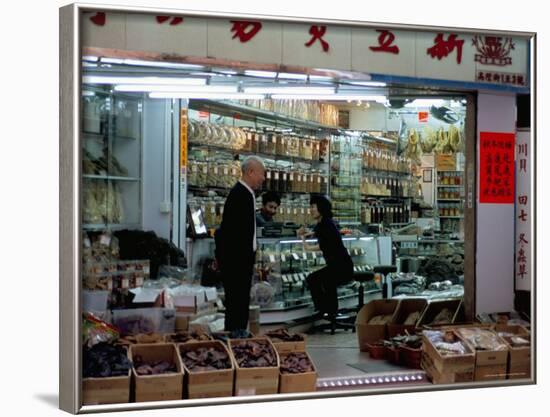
pixel 225 171
pixel 205 169
pixel 283 258
pixel 276 175
pixel 272 258
pixel 304 255
pixel 291 176
pixel 295 256
pixel 268 176
pixel 215 170
pixel 125 282
pixel 284 278
pixel 314 255
pixel 274 139
pixel 296 277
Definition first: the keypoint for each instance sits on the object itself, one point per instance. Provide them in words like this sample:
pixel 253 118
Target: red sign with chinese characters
pixel 496 162
pixel 423 116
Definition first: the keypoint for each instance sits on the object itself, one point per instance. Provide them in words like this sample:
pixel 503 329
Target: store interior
pixel 162 145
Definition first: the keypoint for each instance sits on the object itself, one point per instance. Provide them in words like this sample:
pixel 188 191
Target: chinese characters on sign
pixel 245 29
pixel 500 78
pixel 174 20
pixel 385 41
pixel 523 213
pixel 496 162
pixel 443 48
pixel 317 33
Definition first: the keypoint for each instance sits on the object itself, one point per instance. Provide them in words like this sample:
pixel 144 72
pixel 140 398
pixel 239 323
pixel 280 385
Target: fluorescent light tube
pixel 291 76
pixel 425 102
pixel 320 78
pixel 367 83
pixel 177 88
pixel 99 79
pixel 136 62
pixel 289 90
pixel 262 74
pixel 329 97
pixel 209 95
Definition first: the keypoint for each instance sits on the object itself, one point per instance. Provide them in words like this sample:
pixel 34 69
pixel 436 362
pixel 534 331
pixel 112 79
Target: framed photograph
pixel 173 117
pixel 427 175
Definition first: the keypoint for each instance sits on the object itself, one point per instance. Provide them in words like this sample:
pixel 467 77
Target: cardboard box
pixel 202 300
pixel 305 382
pixel 207 384
pixel 255 381
pixel 371 333
pixel 435 307
pixel 489 364
pixel 519 359
pixel 445 365
pixel 405 307
pixel 438 377
pixel 184 319
pixel 158 387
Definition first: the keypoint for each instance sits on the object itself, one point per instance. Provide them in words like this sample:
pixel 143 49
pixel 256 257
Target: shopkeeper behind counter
pixel 270 203
pixel 323 283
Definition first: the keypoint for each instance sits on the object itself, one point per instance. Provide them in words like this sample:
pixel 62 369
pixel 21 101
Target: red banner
pixel 497 173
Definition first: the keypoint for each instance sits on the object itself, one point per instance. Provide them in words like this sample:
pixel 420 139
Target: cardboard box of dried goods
pixel 368 332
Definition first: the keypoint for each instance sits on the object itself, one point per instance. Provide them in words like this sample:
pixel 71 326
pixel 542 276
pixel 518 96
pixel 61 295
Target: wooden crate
pixel 158 387
pixel 404 308
pixel 446 377
pixel 489 364
pixel 111 390
pixel 372 333
pixel 450 364
pixel 255 381
pixel 519 359
pixel 207 384
pixel 288 347
pixel 305 382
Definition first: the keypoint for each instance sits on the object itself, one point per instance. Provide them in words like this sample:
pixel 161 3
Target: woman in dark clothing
pixel 339 266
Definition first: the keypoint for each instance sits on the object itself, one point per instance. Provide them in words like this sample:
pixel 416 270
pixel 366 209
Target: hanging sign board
pixel 183 145
pixel 496 168
pixel 524 237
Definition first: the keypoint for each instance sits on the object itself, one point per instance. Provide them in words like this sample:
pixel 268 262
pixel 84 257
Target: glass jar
pixel 283 180
pixel 275 179
pixel 279 143
pixel 193 170
pixel 293 145
pixel 315 149
pixel 270 142
pixel 261 137
pixel 267 183
pixel 247 146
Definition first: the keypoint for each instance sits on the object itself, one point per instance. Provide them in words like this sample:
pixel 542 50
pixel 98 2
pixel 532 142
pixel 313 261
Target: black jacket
pixel 234 238
pixel 330 243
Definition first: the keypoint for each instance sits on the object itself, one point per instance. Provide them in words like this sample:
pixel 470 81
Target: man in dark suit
pixel 236 243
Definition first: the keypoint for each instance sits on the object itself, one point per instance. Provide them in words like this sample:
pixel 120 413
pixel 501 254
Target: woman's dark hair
pixel 270 196
pixel 324 207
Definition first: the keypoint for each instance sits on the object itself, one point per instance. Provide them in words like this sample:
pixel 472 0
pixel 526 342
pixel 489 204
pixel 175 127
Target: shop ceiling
pixel 180 80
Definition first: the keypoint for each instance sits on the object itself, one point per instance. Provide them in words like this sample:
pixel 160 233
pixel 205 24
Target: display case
pixel 111 164
pixel 450 195
pixel 419 249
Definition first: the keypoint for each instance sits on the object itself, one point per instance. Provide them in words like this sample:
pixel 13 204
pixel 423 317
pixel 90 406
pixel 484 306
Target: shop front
pixel 410 134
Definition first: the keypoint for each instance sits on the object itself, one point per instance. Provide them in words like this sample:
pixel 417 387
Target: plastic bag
pixel 96 331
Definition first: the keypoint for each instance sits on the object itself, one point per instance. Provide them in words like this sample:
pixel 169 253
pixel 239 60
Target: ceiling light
pixel 368 83
pixel 291 76
pixel 98 79
pixel 425 102
pixel 290 90
pixel 177 88
pixel 262 74
pixel 141 63
pixel 330 97
pixel 207 95
pixel 319 78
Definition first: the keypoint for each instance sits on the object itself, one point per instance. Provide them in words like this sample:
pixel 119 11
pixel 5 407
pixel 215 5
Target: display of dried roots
pixel 102 203
pixel 296 363
pixel 444 316
pixel 153 368
pixel 253 354
pixel 282 335
pixel 482 339
pixel 428 139
pixel 202 359
pixel 381 319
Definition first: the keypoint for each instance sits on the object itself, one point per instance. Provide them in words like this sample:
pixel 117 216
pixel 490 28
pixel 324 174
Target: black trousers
pixel 323 285
pixel 237 281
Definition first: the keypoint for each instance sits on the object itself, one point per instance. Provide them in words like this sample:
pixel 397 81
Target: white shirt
pixel 254 244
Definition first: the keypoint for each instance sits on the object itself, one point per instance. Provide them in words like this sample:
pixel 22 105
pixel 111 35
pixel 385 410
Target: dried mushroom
pixel 296 363
pixel 104 360
pixel 253 354
pixel 153 368
pixel 203 359
pixel 282 335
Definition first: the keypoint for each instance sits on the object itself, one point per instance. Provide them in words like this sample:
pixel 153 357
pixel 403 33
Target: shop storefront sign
pixel 453 56
pixel 523 212
pixel 496 168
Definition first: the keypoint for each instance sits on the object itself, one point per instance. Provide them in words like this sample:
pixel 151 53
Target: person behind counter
pixel 236 244
pixel 323 283
pixel 270 203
